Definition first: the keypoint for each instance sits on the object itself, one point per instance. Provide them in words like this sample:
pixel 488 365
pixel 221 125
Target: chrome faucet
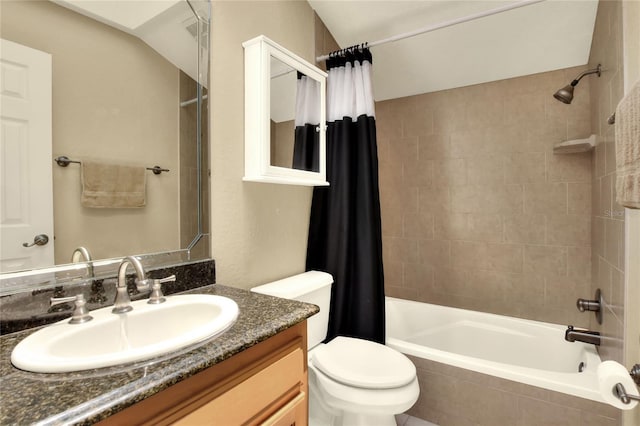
pixel 582 335
pixel 81 253
pixel 123 301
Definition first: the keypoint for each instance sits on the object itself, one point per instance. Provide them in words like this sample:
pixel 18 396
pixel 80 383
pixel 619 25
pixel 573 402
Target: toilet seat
pixel 363 364
pixel 354 399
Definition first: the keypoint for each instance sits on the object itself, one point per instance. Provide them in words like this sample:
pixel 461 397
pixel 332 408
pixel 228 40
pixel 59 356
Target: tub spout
pixel 581 335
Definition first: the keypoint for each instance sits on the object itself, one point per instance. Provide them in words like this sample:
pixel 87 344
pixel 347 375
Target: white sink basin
pixel 112 339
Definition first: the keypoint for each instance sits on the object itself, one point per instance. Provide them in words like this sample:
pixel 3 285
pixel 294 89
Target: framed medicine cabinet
pixel 285 119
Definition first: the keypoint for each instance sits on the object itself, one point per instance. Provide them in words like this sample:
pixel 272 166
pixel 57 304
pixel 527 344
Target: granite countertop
pixel 89 396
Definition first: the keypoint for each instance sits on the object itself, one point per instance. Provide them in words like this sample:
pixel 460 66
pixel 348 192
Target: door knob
pixel 38 240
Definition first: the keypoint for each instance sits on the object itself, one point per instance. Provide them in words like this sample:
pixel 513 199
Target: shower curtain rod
pixel 449 23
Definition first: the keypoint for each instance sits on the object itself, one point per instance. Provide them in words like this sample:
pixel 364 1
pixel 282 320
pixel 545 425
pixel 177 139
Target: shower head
pixel 565 94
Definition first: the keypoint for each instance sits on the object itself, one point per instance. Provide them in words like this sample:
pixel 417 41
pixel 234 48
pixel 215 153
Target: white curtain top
pixel 350 91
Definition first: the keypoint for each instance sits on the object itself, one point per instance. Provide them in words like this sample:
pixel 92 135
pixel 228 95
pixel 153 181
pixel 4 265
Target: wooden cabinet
pixel 265 384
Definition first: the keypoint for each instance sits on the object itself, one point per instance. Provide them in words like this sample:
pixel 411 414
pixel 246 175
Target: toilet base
pixel 321 414
pixel 352 419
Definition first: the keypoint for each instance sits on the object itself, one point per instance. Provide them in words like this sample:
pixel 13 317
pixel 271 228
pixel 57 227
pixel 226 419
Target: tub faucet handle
pixel 592 305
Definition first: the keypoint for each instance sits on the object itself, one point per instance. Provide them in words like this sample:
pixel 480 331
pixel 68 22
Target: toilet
pixel 352 382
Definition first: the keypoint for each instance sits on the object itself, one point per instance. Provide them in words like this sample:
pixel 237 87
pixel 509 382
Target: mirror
pixel 284 109
pixel 125 88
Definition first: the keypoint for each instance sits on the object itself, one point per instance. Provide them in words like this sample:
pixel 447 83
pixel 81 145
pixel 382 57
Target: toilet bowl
pixel 352 382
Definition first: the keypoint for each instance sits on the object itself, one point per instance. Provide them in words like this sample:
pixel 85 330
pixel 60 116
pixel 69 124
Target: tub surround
pixel 490 400
pixel 29 309
pixel 93 395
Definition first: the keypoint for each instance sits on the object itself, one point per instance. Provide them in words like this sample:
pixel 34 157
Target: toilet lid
pixel 364 364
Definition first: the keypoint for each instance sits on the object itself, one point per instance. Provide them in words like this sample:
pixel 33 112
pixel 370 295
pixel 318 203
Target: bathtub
pixel 529 352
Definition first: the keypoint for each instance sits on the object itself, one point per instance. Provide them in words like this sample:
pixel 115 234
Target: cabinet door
pixel 292 414
pixel 269 391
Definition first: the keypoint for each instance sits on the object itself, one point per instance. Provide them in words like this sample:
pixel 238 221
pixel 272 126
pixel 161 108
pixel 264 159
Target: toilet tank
pixel 310 287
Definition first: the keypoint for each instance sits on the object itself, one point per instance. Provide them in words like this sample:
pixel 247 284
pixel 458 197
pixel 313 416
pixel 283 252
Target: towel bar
pixel 64 161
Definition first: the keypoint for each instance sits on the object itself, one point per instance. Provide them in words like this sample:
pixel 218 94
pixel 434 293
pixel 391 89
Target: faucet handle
pixel 80 313
pixel 156 290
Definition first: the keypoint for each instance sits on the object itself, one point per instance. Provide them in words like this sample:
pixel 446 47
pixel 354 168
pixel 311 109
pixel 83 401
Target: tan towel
pixel 112 186
pixel 628 149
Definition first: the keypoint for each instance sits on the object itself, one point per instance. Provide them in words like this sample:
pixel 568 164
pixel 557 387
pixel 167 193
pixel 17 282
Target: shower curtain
pixel 307 119
pixel 345 236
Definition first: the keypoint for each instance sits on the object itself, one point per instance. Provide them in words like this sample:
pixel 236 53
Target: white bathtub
pixel 530 352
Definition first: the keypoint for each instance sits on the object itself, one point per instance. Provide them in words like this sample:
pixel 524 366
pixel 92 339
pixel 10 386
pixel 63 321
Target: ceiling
pixel 168 26
pixel 536 38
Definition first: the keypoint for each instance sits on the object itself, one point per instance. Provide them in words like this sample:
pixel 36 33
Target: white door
pixel 26 199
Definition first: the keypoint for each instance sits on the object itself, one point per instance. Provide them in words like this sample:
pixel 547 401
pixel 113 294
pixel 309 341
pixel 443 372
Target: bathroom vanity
pixel 255 372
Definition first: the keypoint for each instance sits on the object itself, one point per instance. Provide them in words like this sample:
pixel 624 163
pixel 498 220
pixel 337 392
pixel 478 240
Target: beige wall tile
pixel 568 230
pixel 449 119
pixel 569 168
pixel 403 150
pixel 607 189
pixel 579 263
pixel 449 171
pixel 610 156
pixel 560 292
pixel 392 225
pixel 468 143
pixel 527 228
pixel 499 257
pixel 394 197
pixel 528 107
pixel 545 260
pixel 545 198
pixel 533 412
pixel 418 121
pixel 393 273
pixel 579 198
pixel 524 167
pixel 418 173
pixel 482 227
pixel 434 253
pixel 417 276
pixel 450 226
pixel 486 170
pixel 433 200
pixel 418 226
pixel 400 292
pixel 401 250
pixel 486 199
pixel 433 147
pixel 614 241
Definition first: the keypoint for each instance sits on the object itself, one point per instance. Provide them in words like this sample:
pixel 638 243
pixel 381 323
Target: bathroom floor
pixel 406 420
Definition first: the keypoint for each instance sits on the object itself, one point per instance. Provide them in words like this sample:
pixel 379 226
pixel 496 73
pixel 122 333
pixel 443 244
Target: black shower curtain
pixel 345 236
pixel 307 119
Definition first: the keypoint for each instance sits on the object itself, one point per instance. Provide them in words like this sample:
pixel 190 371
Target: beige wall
pixel 95 69
pixel 477 211
pixel 259 231
pixel 282 143
pixel 607 216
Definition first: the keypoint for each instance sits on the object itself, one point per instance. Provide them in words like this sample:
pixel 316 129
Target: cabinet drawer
pixel 256 397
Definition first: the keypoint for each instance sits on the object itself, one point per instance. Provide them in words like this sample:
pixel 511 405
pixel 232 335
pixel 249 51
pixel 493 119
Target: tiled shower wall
pixel 477 211
pixel 607 216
